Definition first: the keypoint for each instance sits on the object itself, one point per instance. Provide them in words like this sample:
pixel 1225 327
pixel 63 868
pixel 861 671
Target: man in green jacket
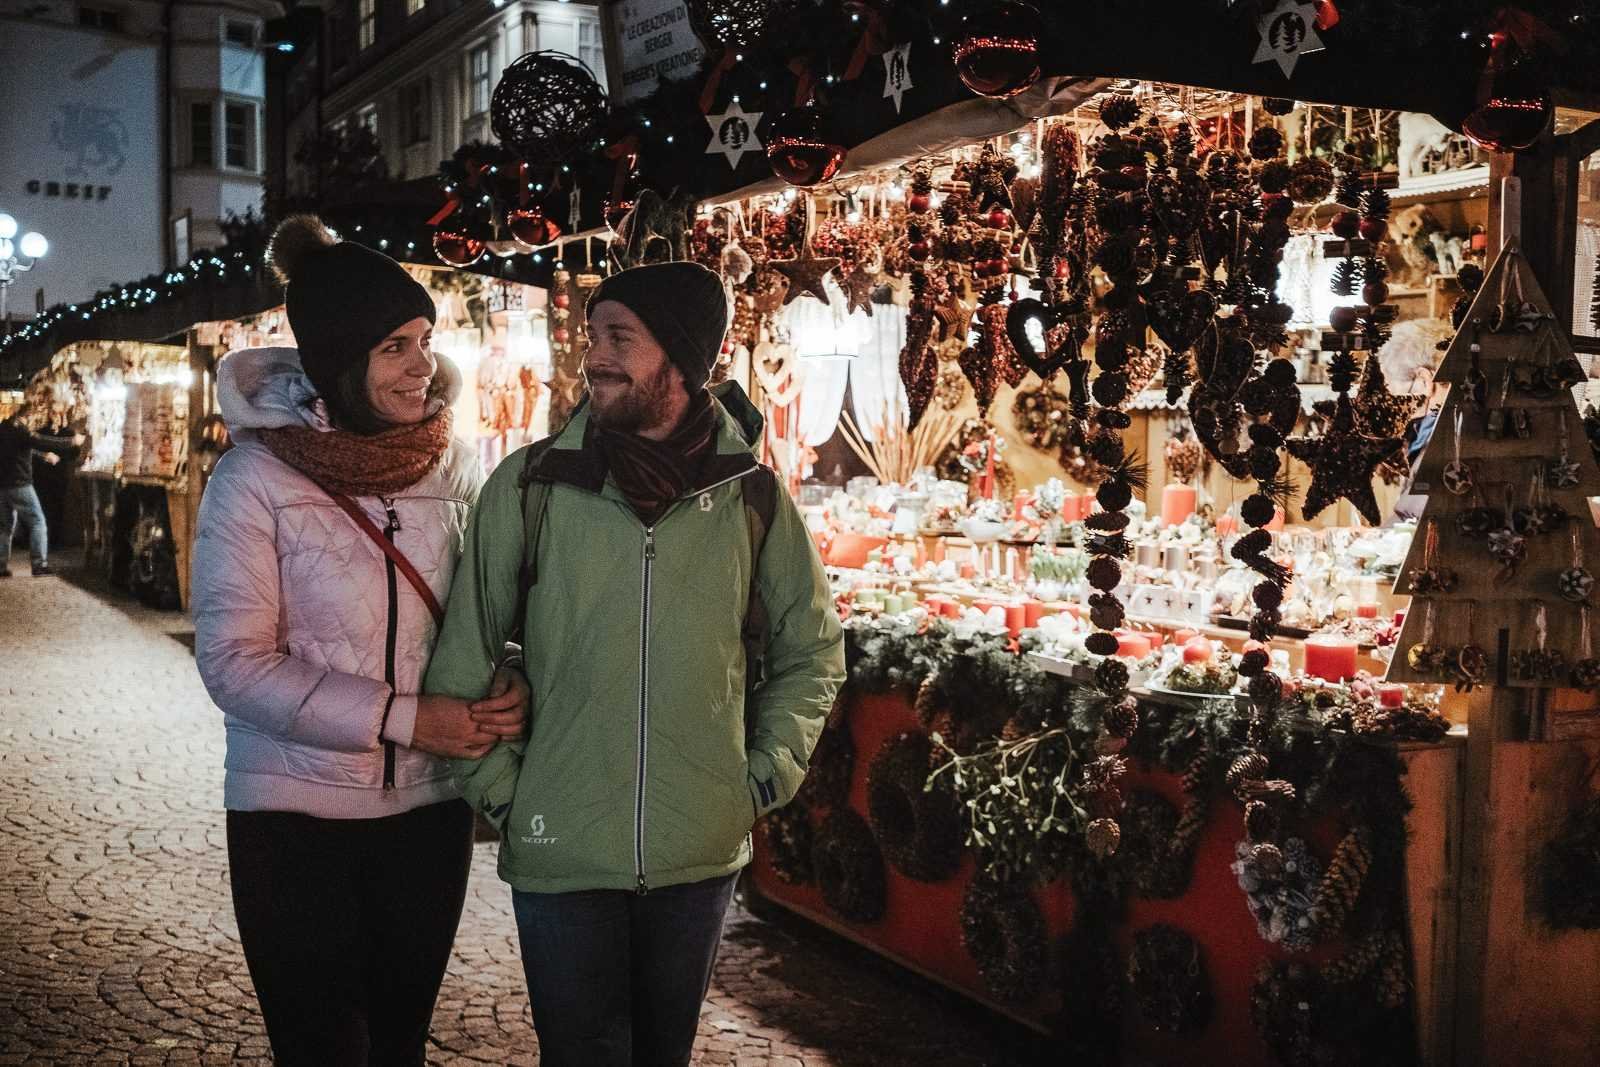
pixel 625 814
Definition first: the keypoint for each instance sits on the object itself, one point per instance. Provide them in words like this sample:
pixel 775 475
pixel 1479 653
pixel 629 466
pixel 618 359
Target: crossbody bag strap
pixel 390 549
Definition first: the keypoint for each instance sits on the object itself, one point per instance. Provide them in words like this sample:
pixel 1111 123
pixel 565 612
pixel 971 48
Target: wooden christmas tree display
pixel 1501 568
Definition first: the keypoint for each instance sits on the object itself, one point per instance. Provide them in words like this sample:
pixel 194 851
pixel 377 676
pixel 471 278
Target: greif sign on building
pixel 80 155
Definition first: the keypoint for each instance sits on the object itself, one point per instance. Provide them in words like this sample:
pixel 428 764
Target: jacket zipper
pixel 648 564
pixel 644 709
pixel 389 643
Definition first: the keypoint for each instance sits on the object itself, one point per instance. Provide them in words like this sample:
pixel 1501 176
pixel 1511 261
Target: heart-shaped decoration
pixel 1030 310
pixel 1180 317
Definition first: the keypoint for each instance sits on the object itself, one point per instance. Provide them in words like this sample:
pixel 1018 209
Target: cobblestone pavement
pixel 117 940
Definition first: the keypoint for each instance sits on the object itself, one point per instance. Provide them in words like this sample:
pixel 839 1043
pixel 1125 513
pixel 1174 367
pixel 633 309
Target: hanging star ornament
pixel 1342 463
pixel 733 133
pixel 858 286
pixel 1288 32
pixel 805 273
pixel 1384 414
pixel 897 73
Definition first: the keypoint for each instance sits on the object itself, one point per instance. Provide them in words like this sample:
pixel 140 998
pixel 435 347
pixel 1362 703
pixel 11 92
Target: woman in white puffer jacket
pixel 326 539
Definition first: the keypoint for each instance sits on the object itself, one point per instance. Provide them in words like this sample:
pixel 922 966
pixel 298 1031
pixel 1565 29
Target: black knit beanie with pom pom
pixel 342 299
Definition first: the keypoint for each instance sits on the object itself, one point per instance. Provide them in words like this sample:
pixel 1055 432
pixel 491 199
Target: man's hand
pixel 51 458
pixel 445 727
pixel 504 712
pixel 78 439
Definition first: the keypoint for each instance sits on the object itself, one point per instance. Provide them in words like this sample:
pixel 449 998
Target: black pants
pixel 616 979
pixel 347 926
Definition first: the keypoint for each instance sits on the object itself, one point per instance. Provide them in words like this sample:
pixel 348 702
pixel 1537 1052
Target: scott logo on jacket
pixel 536 824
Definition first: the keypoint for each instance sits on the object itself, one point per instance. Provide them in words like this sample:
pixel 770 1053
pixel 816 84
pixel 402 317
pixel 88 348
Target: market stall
pixel 1101 404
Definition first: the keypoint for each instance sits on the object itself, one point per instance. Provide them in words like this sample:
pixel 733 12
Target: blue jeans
pixel 24 502
pixel 617 979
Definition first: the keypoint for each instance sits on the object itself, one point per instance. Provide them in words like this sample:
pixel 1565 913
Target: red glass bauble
pixel 801 148
pixel 559 335
pixel 562 300
pixel 456 249
pixel 997 54
pixel 1373 229
pixel 919 250
pixel 917 203
pixel 1374 293
pixel 999 219
pixel 1345 224
pixel 1514 104
pixel 532 226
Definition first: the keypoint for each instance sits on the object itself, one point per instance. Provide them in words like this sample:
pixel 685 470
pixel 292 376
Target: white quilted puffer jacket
pixel 299 622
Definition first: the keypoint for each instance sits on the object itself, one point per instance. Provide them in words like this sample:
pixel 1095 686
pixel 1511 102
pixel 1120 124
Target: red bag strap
pixel 390 549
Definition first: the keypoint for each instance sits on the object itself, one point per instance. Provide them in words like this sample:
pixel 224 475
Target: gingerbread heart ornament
pixel 1180 318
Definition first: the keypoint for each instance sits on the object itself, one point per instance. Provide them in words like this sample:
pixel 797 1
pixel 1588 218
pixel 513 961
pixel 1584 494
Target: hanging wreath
pixel 788 837
pixel 918 829
pixel 1154 867
pixel 833 761
pixel 1042 417
pixel 1339 1013
pixel 1167 975
pixel 848 867
pixel 1003 930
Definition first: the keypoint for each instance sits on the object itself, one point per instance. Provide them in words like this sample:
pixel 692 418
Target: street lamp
pixel 32 247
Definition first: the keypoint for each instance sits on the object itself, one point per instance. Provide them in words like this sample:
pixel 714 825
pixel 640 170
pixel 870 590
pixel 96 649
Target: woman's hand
pixel 445 727
pixel 459 729
pixel 504 712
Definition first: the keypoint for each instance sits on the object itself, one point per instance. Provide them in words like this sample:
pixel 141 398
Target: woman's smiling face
pixel 399 370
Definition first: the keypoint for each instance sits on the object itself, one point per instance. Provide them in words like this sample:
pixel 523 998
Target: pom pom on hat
pixel 296 237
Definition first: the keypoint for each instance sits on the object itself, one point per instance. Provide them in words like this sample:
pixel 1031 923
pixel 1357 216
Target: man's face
pixel 633 386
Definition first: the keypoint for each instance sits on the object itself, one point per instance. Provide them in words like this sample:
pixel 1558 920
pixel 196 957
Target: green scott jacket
pixel 642 766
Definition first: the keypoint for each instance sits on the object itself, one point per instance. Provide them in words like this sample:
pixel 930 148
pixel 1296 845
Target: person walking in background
pixel 654 568
pixel 18 499
pixel 325 541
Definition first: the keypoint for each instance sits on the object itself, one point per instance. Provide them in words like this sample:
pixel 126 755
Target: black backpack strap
pixel 760 489
pixel 535 493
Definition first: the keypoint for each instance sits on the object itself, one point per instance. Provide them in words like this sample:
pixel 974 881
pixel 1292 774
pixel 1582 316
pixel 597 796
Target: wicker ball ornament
pixel 730 23
pixel 548 106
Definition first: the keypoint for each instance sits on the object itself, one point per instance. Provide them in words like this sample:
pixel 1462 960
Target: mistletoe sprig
pixel 1018 799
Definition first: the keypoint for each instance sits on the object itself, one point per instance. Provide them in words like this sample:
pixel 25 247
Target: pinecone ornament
pixel 1103 836
pixel 929 700
pixel 1341 884
pixel 1122 718
pixel 1251 766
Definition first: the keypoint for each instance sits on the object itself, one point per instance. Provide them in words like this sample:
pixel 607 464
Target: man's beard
pixel 640 407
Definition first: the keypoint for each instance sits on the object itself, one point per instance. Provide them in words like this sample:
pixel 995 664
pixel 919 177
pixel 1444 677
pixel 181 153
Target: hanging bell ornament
pixel 456 249
pixel 1514 104
pixel 997 54
pixel 801 148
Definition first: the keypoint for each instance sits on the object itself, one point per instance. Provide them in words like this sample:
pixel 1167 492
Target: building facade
pixel 130 130
pixel 415 74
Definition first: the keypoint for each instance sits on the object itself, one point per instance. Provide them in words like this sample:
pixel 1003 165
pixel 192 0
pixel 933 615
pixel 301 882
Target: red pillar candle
pixel 938 550
pixel 1392 695
pixel 1276 525
pixel 1182 636
pixel 1016 618
pixel 1132 645
pixel 1032 612
pixel 968 570
pixel 1018 502
pixel 1227 525
pixel 1330 657
pixel 1366 611
pixel 1177 504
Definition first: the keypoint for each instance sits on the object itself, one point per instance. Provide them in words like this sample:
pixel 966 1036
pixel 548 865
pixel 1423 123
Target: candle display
pixel 1366 611
pixel 1132 645
pixel 1392 695
pixel 1330 657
